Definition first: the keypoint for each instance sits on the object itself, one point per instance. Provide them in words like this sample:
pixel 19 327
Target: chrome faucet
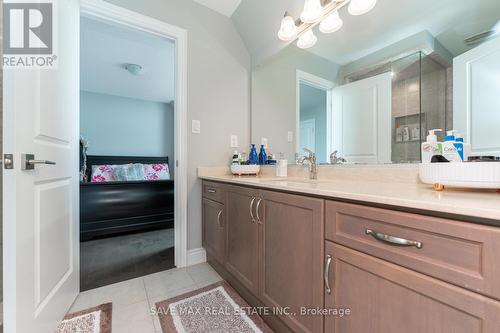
pixel 334 159
pixel 311 159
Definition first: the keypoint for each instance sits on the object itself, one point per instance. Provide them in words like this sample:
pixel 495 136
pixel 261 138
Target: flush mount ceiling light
pixel 134 69
pixel 324 13
pixel 307 40
pixel 312 11
pixel 288 30
pixel 331 23
pixel 360 7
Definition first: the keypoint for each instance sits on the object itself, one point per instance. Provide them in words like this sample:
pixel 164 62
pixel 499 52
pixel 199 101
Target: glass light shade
pixel 331 23
pixel 360 7
pixel 288 30
pixel 307 40
pixel 312 11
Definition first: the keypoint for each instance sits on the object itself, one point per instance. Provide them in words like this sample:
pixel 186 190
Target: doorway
pixel 314 106
pixel 153 238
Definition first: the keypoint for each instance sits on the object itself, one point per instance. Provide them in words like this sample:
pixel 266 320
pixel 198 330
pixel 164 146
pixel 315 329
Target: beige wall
pixel 218 89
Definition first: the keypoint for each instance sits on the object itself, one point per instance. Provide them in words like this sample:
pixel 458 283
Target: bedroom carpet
pixel 109 260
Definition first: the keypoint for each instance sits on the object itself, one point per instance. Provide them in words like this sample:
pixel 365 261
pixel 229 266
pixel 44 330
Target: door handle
pixel 393 240
pixel 28 162
pixel 251 209
pixel 257 211
pixel 327 274
pixel 219 221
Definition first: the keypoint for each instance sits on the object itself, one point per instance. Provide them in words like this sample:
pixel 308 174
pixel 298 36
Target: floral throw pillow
pixel 156 171
pixel 103 173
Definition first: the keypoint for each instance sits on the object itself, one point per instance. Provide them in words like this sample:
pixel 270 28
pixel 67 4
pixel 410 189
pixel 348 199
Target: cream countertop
pixel 377 190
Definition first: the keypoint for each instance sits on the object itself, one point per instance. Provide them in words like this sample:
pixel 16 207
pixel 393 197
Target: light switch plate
pixel 290 136
pixel 234 141
pixel 196 127
pixel 263 141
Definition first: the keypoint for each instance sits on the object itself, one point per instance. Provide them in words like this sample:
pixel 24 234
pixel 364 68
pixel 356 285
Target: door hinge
pixel 177 163
pixel 8 161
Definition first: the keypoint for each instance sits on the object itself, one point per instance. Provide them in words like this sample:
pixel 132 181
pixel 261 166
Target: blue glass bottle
pixel 262 155
pixel 253 158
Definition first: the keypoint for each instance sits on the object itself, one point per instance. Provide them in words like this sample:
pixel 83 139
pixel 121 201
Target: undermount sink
pixel 298 181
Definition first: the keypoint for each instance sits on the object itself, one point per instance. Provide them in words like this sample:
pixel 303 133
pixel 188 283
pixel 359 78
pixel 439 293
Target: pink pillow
pixel 156 171
pixel 103 173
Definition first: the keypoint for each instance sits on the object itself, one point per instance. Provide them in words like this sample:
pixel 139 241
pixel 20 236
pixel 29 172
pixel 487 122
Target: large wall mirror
pixel 369 92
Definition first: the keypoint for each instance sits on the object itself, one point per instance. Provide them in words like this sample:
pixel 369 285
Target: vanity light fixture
pixel 288 30
pixel 307 40
pixel 312 11
pixel 360 7
pixel 331 23
pixel 324 13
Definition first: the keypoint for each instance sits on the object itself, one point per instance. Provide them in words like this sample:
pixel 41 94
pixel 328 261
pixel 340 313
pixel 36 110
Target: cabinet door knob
pixel 251 209
pixel 327 274
pixel 257 211
pixel 211 190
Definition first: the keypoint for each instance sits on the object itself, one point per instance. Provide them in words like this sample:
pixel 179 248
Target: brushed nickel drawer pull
pixel 251 209
pixel 257 211
pixel 211 190
pixel 393 239
pixel 219 221
pixel 327 274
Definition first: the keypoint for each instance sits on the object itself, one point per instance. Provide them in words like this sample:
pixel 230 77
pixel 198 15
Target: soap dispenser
pixel 452 150
pixel 431 146
pixel 465 146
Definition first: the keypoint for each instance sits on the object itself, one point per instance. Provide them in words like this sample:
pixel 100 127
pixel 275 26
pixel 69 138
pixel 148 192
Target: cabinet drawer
pixel 213 191
pixel 461 253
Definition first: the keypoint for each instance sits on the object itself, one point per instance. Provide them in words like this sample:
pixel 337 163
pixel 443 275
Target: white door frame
pixel 319 83
pixel 115 14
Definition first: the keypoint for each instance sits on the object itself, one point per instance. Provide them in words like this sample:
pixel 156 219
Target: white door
pixel 361 120
pixel 308 135
pixel 41 106
pixel 476 98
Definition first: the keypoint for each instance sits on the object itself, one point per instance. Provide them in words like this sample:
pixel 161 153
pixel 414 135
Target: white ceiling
pixel 450 21
pixel 104 51
pixel 224 7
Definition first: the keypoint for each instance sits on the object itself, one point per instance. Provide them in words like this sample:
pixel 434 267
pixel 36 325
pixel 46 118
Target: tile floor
pixel 133 299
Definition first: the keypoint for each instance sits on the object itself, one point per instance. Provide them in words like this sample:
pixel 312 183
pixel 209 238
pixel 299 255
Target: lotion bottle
pixel 431 146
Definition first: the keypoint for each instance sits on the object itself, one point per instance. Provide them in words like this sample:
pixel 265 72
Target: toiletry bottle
pixel 281 166
pixel 452 151
pixel 236 159
pixel 253 158
pixel 466 147
pixel 431 146
pixel 244 158
pixel 262 155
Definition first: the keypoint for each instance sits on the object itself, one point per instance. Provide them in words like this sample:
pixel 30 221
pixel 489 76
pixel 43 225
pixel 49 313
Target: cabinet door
pixel 383 297
pixel 242 237
pixel 213 230
pixel 291 262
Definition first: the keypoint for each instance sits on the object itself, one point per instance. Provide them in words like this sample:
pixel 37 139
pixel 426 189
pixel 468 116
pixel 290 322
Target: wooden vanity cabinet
pixel 242 238
pixel 213 230
pixel 384 297
pixel 214 221
pixel 291 248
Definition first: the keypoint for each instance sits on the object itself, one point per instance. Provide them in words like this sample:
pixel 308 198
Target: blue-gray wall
pixel 122 126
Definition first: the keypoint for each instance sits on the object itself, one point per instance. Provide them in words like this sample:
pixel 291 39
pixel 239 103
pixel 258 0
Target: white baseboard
pixel 196 256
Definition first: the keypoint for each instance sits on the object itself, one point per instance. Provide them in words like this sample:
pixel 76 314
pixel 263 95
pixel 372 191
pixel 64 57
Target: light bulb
pixel 312 11
pixel 307 40
pixel 288 30
pixel 331 23
pixel 360 7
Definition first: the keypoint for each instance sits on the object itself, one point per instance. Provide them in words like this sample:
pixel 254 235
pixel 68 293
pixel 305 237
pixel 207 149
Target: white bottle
pixel 452 150
pixel 467 149
pixel 431 146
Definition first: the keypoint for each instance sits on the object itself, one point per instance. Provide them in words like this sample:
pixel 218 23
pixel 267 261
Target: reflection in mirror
pixel 362 97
